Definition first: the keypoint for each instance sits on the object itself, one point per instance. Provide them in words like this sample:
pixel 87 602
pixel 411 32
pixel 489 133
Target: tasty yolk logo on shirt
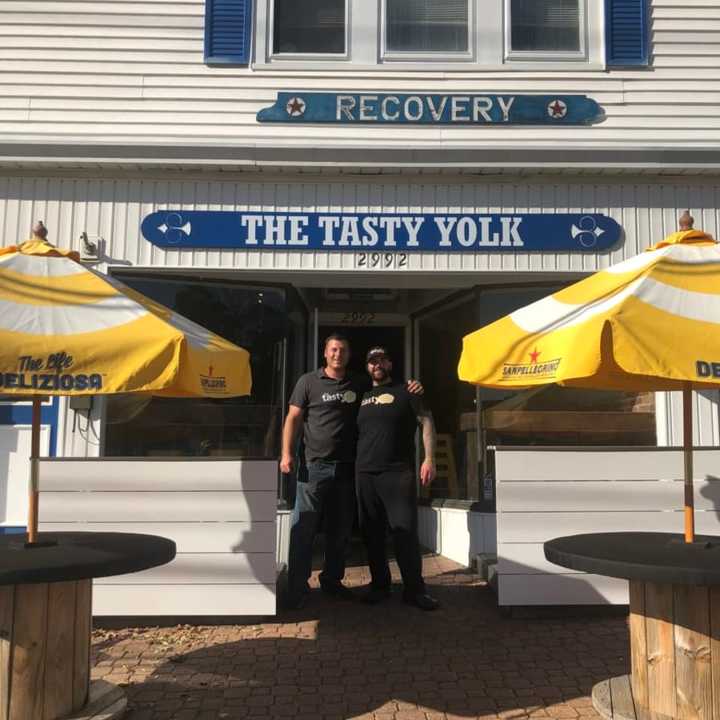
pixel 384 399
pixel 348 396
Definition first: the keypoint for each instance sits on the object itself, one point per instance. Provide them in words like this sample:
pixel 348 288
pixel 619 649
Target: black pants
pixel 389 498
pixel 328 492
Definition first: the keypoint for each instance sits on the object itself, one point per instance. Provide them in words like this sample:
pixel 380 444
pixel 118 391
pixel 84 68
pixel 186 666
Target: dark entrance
pixel 362 338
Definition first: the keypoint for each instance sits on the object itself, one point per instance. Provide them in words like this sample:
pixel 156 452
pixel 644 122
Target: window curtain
pixel 427 25
pixel 309 26
pixel 545 25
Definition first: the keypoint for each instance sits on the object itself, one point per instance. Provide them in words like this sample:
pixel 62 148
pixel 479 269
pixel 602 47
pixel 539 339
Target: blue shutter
pixel 227 31
pixel 627 32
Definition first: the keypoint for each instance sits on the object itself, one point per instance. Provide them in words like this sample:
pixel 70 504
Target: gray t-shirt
pixel 330 410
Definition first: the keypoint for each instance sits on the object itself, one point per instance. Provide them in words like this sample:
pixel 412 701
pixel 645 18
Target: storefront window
pixel 270 323
pixel 468 419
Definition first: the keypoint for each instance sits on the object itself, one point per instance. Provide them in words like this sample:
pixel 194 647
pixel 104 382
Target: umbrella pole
pixel 34 470
pixel 688 457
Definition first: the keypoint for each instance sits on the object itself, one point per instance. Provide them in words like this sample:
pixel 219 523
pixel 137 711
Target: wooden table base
pixel 674 652
pixel 614 701
pixel 44 649
pixel 105 702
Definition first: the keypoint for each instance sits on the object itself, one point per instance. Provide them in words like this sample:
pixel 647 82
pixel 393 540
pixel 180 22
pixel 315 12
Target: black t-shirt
pixel 330 410
pixel 386 423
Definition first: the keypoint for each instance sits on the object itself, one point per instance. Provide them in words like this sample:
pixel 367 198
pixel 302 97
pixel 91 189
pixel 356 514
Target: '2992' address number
pixel 381 261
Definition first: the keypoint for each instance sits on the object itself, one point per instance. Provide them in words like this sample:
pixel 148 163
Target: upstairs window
pixel 545 28
pixel 309 27
pixel 427 26
pixel 426 34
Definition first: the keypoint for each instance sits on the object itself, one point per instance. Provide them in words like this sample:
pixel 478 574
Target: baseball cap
pixel 375 352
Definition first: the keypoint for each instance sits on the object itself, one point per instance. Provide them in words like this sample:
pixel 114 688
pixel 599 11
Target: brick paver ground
pixel 336 660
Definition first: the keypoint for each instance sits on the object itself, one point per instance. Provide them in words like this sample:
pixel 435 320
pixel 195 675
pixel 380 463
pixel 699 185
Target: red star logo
pixel 295 107
pixel 534 356
pixel 557 109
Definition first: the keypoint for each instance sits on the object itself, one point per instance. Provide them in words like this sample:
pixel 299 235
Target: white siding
pixel 113 208
pixel 133 71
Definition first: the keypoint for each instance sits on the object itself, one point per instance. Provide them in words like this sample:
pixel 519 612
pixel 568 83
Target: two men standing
pixel 326 404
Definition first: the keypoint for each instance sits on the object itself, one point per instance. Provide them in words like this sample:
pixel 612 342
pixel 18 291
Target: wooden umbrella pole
pixel 688 457
pixel 34 470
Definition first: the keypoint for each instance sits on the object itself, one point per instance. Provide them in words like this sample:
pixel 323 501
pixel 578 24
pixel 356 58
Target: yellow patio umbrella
pixel 68 330
pixel 651 322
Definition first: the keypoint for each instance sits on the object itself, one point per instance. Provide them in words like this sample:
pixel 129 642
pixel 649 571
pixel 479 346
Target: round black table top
pixel 648 556
pixel 79 556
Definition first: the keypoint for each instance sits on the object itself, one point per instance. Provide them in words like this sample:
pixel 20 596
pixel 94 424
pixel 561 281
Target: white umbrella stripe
pixel 68 319
pixel 195 334
pixel 550 314
pixel 685 304
pixel 37 266
pixel 688 254
pixel 637 262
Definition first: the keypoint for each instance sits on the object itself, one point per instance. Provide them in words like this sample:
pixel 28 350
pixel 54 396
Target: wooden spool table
pixel 45 620
pixel 674 621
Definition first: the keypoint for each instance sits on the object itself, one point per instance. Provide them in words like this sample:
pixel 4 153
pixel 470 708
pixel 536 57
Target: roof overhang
pixel 470 159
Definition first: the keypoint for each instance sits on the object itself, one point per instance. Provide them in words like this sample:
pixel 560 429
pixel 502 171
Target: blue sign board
pixel 420 109
pixel 361 232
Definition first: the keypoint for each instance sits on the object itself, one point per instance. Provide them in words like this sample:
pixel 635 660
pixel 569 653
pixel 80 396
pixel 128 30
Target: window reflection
pixel 309 26
pixel 267 322
pixel 468 419
pixel 545 25
pixel 427 25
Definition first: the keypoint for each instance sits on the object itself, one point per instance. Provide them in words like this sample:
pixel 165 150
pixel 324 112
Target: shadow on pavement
pixel 337 659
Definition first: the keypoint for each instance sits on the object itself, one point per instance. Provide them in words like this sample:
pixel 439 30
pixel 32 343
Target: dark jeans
pixel 328 493
pixel 385 499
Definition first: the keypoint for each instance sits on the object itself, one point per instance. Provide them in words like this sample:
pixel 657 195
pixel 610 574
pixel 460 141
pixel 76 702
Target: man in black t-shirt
pixel 387 420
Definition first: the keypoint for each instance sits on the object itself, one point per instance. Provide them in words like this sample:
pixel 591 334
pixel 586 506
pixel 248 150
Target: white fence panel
pixel 543 493
pixel 220 513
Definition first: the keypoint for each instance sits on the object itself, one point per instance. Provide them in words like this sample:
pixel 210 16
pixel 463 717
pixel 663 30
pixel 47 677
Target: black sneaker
pixel 375 596
pixel 422 601
pixel 338 591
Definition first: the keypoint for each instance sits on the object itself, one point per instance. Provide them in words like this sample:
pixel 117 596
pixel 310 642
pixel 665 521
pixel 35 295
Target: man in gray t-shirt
pixel 324 403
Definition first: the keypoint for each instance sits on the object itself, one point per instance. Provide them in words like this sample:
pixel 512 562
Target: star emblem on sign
pixel 295 107
pixel 557 109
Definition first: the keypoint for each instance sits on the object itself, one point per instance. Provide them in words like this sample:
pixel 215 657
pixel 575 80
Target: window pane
pixel 254 318
pixel 427 25
pixel 309 26
pixel 553 415
pixel 545 25
pixel 452 402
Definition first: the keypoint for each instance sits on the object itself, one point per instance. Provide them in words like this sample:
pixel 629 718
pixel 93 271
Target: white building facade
pixel 402 171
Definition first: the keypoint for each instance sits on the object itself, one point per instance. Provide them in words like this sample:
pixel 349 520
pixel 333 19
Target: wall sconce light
pixel 90 249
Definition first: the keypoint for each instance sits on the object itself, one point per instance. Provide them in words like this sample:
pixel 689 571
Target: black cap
pixel 374 351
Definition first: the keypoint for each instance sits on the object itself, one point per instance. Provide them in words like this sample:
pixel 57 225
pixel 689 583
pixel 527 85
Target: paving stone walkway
pixel 335 660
